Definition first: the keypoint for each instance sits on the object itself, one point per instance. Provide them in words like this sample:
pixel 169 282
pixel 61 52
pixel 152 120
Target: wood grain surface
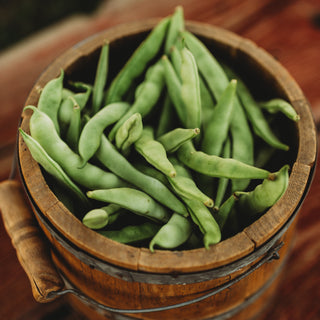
pixel 288 29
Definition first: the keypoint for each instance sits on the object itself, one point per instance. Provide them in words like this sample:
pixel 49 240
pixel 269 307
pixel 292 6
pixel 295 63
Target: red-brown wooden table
pixel 288 29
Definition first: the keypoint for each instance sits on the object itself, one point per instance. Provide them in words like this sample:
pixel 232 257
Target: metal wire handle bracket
pixel 272 254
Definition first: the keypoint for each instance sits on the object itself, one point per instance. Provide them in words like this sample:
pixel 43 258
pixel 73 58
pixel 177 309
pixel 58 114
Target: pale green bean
pixel 133 200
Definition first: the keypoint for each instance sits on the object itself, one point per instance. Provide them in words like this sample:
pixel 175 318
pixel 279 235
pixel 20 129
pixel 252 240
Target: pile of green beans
pixel 164 154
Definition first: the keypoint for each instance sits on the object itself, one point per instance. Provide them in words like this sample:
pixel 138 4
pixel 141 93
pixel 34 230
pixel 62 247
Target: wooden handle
pixel 32 250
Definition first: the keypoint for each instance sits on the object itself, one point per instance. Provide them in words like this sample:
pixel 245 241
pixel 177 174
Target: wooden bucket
pixel 102 278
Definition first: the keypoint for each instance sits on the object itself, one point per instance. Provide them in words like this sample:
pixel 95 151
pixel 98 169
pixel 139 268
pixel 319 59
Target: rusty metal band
pixel 272 254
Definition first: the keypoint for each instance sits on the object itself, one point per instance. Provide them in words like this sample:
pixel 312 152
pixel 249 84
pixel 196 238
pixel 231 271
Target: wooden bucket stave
pixel 124 277
pixel 142 291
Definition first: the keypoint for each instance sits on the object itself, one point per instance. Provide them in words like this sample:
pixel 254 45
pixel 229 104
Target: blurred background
pixel 34 32
pixel 22 18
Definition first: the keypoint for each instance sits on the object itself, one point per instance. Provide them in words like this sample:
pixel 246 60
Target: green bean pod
pixel 152 172
pixel 100 78
pixel 99 218
pixel 207 224
pixel 208 65
pixel 42 129
pixel 154 152
pixel 115 162
pixel 222 214
pixel 223 182
pixel 180 168
pixel 66 93
pixel 175 57
pixel 129 133
pixel 50 99
pixel 96 219
pixel 215 166
pixel 66 107
pixel 133 200
pixel 175 27
pixel 185 187
pixel 265 194
pixel 83 96
pixel 132 234
pixel 173 139
pixel 217 80
pixel 242 143
pixel 167 116
pixel 90 137
pixel 190 89
pixel 137 63
pixel 217 129
pixel 280 105
pixel 147 98
pixel 207 103
pixel 173 234
pixel 174 89
pixel 74 129
pixel 259 123
pixel 52 167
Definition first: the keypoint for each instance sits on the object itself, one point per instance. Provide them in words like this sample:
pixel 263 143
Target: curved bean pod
pixel 259 123
pixel 132 234
pixel 133 200
pixel 154 152
pixel 185 187
pixel 265 194
pixel 90 137
pixel 148 96
pixel 215 166
pixel 83 96
pixel 173 139
pixel 115 162
pixel 50 99
pixel 42 129
pixel 173 234
pixel 201 215
pixel 137 63
pixel 40 155
pixel 217 80
pixel 129 132
pixel 280 105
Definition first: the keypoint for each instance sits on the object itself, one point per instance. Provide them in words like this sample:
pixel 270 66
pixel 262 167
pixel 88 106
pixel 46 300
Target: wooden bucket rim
pixel 165 261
